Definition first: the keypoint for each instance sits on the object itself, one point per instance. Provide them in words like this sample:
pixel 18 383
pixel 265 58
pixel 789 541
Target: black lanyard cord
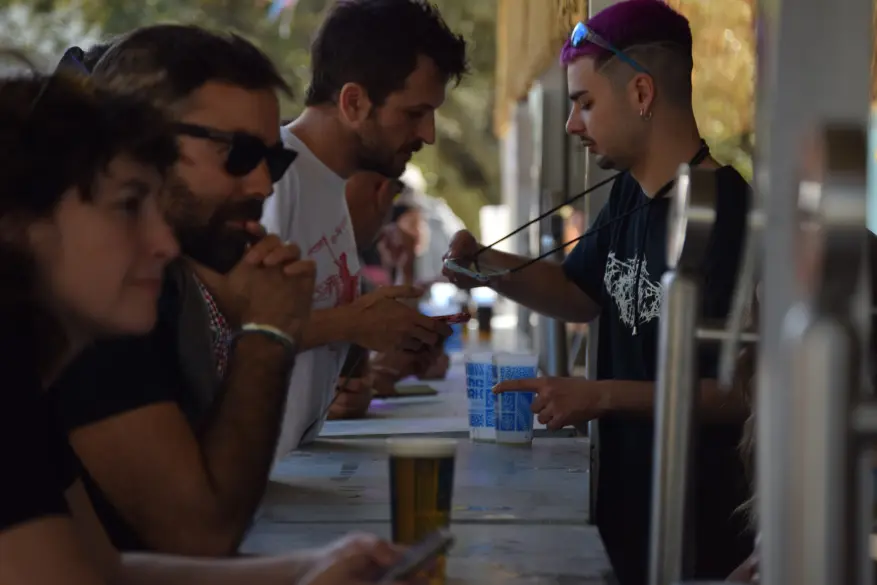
pixel 584 235
pixel 701 155
pixel 550 211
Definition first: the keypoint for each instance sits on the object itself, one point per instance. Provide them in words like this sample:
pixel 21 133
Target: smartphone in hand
pixel 454 319
pixel 418 556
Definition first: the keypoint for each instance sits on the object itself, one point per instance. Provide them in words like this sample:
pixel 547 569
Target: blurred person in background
pixel 434 222
pixel 372 201
pixel 573 227
pixel 370 197
pixel 398 245
pixel 390 251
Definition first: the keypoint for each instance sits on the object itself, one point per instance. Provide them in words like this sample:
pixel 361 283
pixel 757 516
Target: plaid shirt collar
pixel 220 332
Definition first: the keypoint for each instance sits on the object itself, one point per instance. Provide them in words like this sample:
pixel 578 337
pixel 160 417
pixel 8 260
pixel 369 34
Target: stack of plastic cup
pixel 480 380
pixel 513 415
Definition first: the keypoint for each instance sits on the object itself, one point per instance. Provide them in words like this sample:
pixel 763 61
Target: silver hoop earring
pixel 645 115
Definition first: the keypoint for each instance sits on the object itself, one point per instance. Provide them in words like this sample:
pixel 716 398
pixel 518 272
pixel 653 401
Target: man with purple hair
pixel 629 77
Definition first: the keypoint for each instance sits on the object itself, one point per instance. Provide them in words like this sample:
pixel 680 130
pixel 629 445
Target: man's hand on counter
pixel 561 401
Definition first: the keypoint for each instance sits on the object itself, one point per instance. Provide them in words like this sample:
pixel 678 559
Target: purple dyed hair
pixel 629 23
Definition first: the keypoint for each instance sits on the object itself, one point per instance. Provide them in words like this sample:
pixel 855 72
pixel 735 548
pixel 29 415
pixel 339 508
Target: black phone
pixel 428 549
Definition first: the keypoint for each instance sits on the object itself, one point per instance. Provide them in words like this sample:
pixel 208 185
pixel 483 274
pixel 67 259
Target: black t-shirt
pixel 120 375
pixel 38 465
pixel 620 267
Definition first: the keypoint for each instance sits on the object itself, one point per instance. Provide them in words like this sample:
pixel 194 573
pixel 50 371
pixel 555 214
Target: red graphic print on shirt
pixel 341 287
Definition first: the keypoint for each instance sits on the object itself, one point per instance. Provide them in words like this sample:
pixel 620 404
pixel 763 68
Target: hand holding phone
pixel 454 319
pixel 483 273
pixel 418 556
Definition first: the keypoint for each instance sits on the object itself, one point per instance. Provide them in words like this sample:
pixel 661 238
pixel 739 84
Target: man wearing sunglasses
pixel 177 431
pixel 380 71
pixel 629 77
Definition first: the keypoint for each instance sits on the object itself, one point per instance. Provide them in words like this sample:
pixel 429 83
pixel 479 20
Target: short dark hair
pixel 58 132
pixel 94 54
pixel 375 43
pixel 168 62
pixel 400 209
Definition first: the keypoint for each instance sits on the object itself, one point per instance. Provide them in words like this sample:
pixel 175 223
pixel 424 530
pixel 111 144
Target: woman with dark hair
pixel 83 247
pixel 747 572
pixel 808 264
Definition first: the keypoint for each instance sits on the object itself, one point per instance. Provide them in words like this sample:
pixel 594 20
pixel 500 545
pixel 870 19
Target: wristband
pixel 270 332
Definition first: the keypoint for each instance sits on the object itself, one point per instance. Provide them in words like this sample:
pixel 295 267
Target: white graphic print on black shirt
pixel 621 279
pixel 629 235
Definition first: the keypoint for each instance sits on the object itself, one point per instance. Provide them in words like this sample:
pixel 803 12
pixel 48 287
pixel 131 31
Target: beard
pixel 605 163
pixel 201 226
pixel 372 155
pixel 388 168
pixel 616 162
pixel 601 160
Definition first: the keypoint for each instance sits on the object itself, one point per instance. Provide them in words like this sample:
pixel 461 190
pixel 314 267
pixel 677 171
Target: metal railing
pixel 825 336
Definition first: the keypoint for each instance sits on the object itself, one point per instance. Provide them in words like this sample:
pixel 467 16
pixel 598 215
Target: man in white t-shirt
pixel 380 70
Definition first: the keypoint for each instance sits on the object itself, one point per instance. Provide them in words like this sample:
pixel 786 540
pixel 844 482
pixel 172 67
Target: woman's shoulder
pixel 37 461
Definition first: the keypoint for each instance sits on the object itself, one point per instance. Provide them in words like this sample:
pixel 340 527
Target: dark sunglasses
pixel 73 59
pixel 245 151
pixel 70 59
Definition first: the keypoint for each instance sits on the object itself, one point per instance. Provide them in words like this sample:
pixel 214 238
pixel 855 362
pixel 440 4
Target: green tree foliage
pixel 43 35
pixel 463 166
pixel 724 76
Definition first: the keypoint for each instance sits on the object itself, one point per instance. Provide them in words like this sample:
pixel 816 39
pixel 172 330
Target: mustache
pixel 249 209
pixel 585 144
pixel 413 147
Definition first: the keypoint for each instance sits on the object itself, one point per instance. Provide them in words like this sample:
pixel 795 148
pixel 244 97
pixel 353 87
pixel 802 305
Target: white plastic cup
pixel 513 417
pixel 480 380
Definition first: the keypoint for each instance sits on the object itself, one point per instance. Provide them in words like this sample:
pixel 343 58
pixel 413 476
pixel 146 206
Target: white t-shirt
pixel 309 208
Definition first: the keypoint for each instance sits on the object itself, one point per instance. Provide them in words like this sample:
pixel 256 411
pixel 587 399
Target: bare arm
pixel 542 287
pixel 380 321
pixel 747 572
pixel 134 569
pixel 148 569
pixel 45 551
pixel 49 551
pixel 352 560
pixel 639 397
pixel 55 549
pixel 327 326
pixel 188 494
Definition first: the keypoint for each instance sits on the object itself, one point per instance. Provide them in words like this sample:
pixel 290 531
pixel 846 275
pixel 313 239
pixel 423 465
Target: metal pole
pixel 549 173
pixel 825 336
pixel 674 425
pixel 689 229
pixel 556 352
pixel 593 203
pixel 792 102
pixel 827 368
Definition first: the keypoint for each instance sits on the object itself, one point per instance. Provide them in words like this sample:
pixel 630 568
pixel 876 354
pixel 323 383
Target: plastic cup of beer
pixel 480 380
pixel 513 416
pixel 421 487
